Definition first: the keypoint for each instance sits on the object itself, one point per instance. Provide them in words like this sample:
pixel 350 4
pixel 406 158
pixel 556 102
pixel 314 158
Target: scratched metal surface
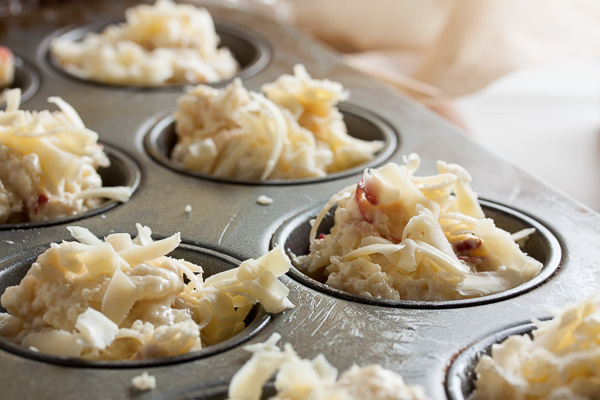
pixel 420 343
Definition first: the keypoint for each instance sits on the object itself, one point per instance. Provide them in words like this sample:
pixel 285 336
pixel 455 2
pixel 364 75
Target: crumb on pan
pixel 264 200
pixel 49 164
pixel 144 382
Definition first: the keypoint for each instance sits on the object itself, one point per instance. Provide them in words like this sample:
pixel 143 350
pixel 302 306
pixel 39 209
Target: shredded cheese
pixel 124 298
pixel 164 43
pixel 292 131
pixel 400 236
pixel 48 164
pixel 96 329
pixel 559 361
pixel 303 379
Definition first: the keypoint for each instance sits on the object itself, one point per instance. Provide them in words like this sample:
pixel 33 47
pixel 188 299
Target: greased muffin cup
pixel 416 340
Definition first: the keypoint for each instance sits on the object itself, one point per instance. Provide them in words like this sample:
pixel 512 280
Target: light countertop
pixel 546 120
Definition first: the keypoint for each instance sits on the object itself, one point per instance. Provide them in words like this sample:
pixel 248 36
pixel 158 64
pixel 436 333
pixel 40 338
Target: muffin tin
pixel 426 343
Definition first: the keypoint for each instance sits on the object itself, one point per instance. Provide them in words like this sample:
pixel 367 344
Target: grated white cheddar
pixel 302 379
pixel 122 298
pixel 293 131
pixel 96 329
pixel 164 43
pixel 48 163
pixel 561 361
pixel 400 236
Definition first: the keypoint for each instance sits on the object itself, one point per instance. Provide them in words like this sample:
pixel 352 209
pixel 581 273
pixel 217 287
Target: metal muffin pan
pixel 361 124
pixel 218 392
pixel 419 343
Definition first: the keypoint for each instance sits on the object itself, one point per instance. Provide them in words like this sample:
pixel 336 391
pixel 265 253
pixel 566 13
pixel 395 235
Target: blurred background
pixel 522 77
